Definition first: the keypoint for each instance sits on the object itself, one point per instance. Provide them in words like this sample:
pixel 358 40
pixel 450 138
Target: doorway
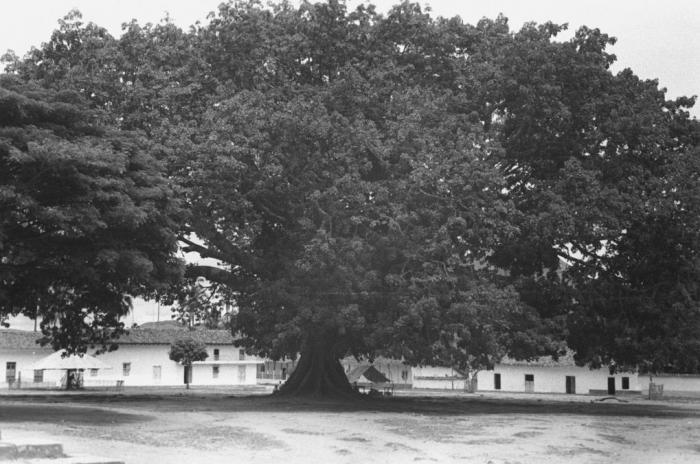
pixel 529 383
pixel 10 372
pixel 570 384
pixel 611 385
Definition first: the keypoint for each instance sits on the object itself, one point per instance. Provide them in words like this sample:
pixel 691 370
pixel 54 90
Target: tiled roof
pixel 21 340
pixel 165 336
pixel 565 360
pixel 169 324
pixel 153 335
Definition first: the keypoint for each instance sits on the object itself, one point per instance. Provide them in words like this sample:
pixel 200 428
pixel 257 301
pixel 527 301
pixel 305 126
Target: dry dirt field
pixel 205 427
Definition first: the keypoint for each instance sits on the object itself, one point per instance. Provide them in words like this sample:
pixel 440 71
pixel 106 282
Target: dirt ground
pixel 220 427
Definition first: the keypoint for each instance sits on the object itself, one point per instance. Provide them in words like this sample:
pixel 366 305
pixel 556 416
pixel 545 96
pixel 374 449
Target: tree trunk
pixel 318 374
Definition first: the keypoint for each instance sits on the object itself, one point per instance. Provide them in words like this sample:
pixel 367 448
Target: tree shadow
pixel 66 414
pixel 462 406
pixel 439 406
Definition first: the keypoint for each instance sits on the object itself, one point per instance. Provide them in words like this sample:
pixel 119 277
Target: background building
pixel 141 360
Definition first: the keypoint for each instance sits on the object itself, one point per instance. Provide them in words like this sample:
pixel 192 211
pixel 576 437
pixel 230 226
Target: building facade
pixel 142 359
pixel 18 351
pixel 544 375
pixel 674 385
pixel 533 378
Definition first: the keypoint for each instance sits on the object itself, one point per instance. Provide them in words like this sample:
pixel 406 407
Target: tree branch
pixel 225 250
pixel 215 274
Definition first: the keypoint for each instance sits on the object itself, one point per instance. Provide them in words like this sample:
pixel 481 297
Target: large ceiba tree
pixel 410 186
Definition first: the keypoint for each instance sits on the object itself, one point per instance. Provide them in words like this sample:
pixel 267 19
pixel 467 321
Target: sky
pixel 656 39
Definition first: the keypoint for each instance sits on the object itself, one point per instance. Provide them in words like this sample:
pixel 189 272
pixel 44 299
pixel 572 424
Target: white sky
pixel 656 38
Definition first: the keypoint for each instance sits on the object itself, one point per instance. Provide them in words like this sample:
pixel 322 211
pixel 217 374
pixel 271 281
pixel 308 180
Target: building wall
pixel 553 379
pixel 674 385
pixel 150 365
pixel 242 373
pixel 437 378
pixel 143 362
pixel 23 360
pixel 274 372
pixel 546 379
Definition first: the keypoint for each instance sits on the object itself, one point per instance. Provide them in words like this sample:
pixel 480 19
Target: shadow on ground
pixel 62 405
pixel 68 413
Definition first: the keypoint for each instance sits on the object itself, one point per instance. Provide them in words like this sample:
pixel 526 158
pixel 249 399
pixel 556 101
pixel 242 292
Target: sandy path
pixel 194 431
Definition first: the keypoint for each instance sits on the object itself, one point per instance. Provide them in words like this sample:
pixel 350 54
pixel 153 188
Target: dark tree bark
pixel 318 373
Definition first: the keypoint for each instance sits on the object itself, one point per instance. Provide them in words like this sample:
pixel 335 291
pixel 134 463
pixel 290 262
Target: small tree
pixel 186 351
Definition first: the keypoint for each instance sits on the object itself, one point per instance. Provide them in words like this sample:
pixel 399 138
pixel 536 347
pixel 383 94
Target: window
pixel 262 368
pixel 241 354
pixel 215 371
pixel 216 354
pixel 126 369
pixel 625 383
pixel 529 377
pixel 496 381
pixel 93 372
pixel 38 376
pixel 10 371
pixel 156 372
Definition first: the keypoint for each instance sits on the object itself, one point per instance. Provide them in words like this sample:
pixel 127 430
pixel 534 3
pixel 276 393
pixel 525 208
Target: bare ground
pixel 212 428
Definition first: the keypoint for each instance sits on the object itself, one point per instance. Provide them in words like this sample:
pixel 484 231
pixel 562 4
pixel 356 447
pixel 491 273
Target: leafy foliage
pixel 86 217
pixel 202 305
pixel 187 350
pixel 602 170
pixel 411 186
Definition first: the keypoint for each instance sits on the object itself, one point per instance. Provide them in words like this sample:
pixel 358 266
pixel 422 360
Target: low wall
pixel 675 385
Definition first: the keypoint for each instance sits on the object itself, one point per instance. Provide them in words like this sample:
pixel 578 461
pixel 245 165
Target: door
pixel 188 375
pixel 529 383
pixel 496 381
pixel 570 384
pixel 156 374
pixel 611 385
pixel 10 372
pixel 241 374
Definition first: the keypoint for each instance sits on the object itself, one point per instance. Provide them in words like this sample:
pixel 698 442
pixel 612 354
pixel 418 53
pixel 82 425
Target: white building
pixel 398 373
pixel 563 376
pixel 18 351
pixel 141 360
pixel 674 385
pixel 437 378
pixel 540 376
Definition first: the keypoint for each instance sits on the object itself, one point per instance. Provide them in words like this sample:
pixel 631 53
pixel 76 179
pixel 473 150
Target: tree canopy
pixel 410 186
pixel 86 217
